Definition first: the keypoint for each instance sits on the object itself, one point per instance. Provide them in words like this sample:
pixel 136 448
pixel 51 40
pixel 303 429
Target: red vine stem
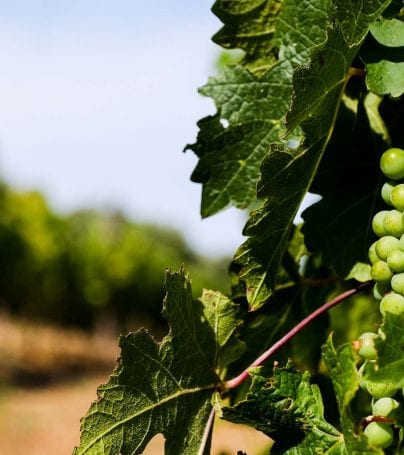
pixel 235 382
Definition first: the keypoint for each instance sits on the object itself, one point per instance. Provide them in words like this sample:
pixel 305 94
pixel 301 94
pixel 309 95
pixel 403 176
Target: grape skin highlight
pixel 392 163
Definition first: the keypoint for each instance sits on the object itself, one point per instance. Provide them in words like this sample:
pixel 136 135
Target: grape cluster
pixel 386 256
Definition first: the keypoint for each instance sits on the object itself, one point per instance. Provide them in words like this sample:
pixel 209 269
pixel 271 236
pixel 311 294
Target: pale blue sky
pixel 97 100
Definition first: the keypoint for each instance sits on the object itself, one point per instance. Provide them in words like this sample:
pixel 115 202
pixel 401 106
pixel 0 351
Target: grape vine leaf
pixel 289 409
pixel 354 17
pixel 339 225
pixel 250 26
pixel 384 58
pixel 385 78
pixel 287 175
pixel 343 371
pixel 252 99
pixel 389 366
pixel 389 32
pixel 165 388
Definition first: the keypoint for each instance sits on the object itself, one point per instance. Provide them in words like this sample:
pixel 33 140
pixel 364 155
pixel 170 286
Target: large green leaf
pixel 230 157
pixel 165 388
pixel 343 371
pixel 286 173
pixel 289 409
pixel 354 17
pixel 286 177
pixel 252 100
pixel 348 179
pixel 249 25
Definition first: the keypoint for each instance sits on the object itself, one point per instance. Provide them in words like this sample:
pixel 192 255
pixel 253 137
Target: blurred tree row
pixel 72 269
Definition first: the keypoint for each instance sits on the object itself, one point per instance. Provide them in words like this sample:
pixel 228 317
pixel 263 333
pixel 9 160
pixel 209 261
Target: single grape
pixel 380 389
pixel 386 245
pixel 397 283
pixel 392 303
pixel 378 223
pixel 392 163
pixel 383 406
pixel 381 272
pixel 402 243
pixel 386 191
pixel 395 260
pixel 373 257
pixel 380 289
pixel 366 345
pixel 397 197
pixel 393 223
pixel 379 434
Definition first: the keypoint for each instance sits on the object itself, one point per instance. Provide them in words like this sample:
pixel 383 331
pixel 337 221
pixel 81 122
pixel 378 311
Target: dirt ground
pixel 48 379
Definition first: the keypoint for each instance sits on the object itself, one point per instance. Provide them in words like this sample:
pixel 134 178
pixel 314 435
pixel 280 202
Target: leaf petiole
pixel 235 382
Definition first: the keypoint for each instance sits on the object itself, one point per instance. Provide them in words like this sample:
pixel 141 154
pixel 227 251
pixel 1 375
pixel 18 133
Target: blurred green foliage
pixel 71 269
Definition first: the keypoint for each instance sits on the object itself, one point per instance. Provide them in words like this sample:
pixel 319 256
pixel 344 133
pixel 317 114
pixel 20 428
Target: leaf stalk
pixel 235 382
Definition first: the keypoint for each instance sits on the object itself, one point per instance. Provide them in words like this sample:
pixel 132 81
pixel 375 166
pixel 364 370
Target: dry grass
pixel 32 353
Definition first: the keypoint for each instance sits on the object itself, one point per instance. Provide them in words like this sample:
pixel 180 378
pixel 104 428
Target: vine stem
pixel 235 382
pixel 356 72
pixel 207 433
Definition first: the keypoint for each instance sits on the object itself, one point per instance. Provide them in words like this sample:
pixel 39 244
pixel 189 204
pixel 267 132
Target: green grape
pixel 395 260
pixel 386 191
pixel 397 283
pixel 386 245
pixel 378 223
pixel 397 197
pixel 401 243
pixel 380 389
pixel 392 163
pixel 393 223
pixel 366 346
pixel 379 434
pixel 383 406
pixel 392 303
pixel 380 289
pixel 381 272
pixel 373 257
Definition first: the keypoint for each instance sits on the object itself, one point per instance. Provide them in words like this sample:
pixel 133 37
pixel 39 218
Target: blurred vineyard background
pixel 89 269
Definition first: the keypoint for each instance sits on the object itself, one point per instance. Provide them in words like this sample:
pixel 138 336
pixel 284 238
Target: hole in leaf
pixel 224 122
pixel 155 445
